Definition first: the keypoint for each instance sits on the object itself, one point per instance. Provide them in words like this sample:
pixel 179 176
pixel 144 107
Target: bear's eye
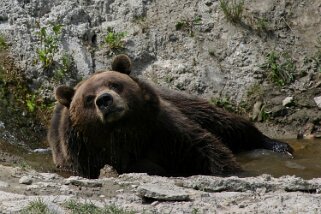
pixel 115 86
pixel 89 100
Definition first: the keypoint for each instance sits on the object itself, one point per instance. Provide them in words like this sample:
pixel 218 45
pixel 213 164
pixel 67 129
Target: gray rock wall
pixel 212 57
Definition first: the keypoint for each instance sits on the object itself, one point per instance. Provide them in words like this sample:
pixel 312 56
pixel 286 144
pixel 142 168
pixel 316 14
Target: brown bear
pixel 115 119
pixel 237 133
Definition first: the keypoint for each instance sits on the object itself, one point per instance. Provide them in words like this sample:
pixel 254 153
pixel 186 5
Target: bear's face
pixel 107 97
pixel 102 99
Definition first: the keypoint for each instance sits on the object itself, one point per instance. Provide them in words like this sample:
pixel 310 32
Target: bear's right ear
pixel 64 95
pixel 122 64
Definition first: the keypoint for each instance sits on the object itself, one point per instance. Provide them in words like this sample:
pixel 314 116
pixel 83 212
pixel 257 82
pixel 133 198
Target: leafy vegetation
pixel 31 102
pixel 16 96
pixel 90 208
pixel 188 25
pixel 3 43
pixel 66 66
pixel 36 207
pixel 232 10
pixel 280 68
pixel 49 42
pixel 225 103
pixel 115 40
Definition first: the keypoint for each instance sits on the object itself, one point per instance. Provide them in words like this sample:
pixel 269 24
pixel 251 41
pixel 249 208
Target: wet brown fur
pixel 236 132
pixel 161 132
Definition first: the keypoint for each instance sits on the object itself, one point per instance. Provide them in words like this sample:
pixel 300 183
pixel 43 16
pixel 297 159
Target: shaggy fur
pixel 115 119
pixel 237 133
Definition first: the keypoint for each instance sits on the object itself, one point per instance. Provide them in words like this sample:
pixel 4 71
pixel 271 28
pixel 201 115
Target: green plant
pixel 115 40
pixel 168 79
pixel 49 43
pixel 195 211
pixel 280 68
pixel 232 10
pixel 66 65
pixel 90 208
pixel 3 43
pixel 263 115
pixel 31 102
pixel 262 24
pixel 188 25
pixel 23 165
pixel 225 103
pixel 112 209
pixel 36 207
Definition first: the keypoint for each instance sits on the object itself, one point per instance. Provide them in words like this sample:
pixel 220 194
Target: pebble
pixel 163 192
pixel 317 100
pixel 287 101
pixel 25 180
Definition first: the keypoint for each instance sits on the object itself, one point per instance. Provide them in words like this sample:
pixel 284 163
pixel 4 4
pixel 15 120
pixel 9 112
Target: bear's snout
pixel 104 101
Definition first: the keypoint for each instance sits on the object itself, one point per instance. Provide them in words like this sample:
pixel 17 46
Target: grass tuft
pixel 232 10
pixel 89 208
pixel 36 207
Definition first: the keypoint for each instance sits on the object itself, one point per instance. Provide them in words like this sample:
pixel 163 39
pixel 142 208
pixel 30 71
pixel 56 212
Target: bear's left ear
pixel 64 95
pixel 122 64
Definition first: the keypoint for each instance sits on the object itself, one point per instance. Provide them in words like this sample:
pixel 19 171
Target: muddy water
pixel 13 155
pixel 306 162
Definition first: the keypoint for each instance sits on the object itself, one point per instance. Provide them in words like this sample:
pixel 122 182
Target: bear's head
pixel 108 97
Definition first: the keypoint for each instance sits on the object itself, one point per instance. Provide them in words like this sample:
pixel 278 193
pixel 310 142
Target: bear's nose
pixel 103 101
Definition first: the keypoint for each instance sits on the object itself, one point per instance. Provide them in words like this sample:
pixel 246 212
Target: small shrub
pixel 195 211
pixel 36 207
pixel 232 10
pixel 115 40
pixel 280 68
pixel 49 42
pixel 188 25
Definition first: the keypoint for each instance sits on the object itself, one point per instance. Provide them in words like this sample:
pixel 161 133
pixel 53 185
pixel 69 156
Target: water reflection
pixel 306 162
pixel 16 155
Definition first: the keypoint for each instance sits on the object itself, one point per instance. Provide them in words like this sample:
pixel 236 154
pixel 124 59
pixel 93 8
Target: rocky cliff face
pixel 189 45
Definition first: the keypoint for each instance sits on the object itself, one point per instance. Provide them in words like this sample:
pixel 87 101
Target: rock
pixel 287 101
pixel 279 111
pixel 306 132
pixel 84 182
pixel 25 180
pixel 108 172
pixel 162 192
pixel 48 150
pixel 317 101
pixel 256 113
